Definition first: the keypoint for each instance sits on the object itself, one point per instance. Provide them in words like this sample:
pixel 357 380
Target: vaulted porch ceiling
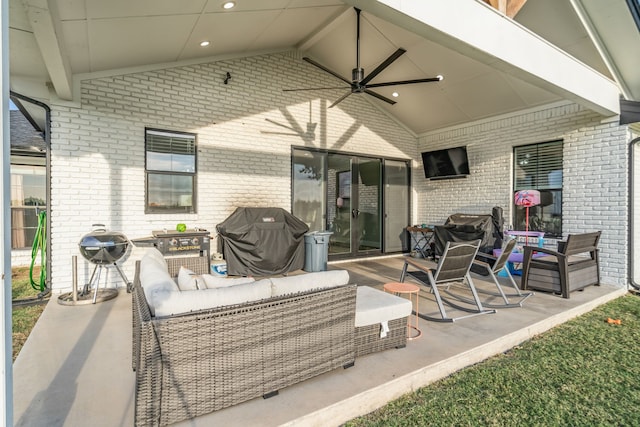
pixel 54 44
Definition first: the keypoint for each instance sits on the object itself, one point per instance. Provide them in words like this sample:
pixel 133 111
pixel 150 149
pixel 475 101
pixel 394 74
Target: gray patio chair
pixel 493 266
pixel 453 267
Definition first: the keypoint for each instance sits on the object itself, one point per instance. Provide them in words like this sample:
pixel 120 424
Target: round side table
pixel 411 290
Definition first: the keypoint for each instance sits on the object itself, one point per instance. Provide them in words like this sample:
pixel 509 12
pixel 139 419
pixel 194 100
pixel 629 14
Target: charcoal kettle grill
pixel 103 249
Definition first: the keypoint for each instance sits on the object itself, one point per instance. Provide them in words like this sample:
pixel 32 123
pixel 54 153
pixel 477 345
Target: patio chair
pixel 493 266
pixel 573 267
pixel 453 267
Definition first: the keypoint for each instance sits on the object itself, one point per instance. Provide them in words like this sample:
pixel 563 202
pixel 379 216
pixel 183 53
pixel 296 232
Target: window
pixel 28 198
pixel 171 171
pixel 539 167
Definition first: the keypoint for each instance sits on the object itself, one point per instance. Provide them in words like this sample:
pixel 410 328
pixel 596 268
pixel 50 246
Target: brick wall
pixel 595 164
pixel 245 133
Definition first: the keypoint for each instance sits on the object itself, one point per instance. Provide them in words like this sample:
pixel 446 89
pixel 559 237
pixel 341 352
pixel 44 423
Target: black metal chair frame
pixel 453 267
pixel 494 266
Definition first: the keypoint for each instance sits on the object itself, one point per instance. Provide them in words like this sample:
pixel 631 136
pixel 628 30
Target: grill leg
pixel 126 281
pixel 95 290
pixel 85 288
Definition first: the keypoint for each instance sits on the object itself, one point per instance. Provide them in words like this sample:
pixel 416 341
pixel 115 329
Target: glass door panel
pixel 339 203
pixel 309 188
pixel 396 205
pixel 366 209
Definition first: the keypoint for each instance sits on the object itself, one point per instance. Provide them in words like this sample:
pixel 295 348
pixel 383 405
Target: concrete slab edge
pixel 372 399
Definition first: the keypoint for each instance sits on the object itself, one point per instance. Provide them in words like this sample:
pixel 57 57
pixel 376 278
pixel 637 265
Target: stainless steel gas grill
pixel 103 248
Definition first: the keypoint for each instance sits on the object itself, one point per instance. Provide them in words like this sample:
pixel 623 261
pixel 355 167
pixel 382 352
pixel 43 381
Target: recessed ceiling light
pixel 204 43
pixel 395 94
pixel 228 5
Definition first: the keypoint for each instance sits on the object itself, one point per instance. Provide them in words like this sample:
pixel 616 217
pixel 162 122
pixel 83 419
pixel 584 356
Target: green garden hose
pixel 40 244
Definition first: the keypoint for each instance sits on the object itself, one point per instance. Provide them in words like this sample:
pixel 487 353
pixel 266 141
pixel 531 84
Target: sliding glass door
pixel 344 193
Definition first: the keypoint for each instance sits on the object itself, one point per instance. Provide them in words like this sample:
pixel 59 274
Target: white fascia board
pixel 478 31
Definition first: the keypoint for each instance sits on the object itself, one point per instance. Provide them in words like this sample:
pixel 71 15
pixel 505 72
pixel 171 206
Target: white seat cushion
pixel 374 306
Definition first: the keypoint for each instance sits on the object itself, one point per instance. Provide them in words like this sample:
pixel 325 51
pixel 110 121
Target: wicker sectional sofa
pixel 195 352
pixel 194 363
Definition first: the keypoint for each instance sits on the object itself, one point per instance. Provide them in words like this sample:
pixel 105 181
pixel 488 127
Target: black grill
pixel 103 247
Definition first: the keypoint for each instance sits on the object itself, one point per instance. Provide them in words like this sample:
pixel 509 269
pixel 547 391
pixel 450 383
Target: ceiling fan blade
pixel 326 70
pixel 406 82
pixel 339 100
pixel 395 55
pixel 313 88
pixel 377 95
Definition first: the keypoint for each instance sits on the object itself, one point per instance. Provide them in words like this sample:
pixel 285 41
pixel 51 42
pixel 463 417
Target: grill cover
pixel 262 241
pixel 464 227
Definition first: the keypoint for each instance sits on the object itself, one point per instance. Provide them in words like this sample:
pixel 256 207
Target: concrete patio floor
pixel 75 368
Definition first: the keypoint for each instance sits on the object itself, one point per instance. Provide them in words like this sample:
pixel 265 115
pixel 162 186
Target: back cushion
pixel 154 256
pixel 167 303
pixel 222 282
pixel 153 276
pixel 306 282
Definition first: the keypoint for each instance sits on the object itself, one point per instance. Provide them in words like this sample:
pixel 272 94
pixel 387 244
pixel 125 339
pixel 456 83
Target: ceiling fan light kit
pixel 359 82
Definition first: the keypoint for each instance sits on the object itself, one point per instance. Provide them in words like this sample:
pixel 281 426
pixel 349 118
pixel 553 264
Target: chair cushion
pixel 310 281
pixel 375 306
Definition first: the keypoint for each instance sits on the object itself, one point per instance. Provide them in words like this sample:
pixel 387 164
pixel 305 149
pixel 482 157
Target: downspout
pixel 632 246
pixel 47 141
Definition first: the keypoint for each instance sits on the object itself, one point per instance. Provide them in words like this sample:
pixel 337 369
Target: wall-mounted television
pixel 447 163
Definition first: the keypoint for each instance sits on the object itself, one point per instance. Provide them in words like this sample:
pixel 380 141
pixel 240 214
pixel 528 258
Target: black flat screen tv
pixel 447 163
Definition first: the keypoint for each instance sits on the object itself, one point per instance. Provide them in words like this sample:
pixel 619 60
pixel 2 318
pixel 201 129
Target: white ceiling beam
pixel 332 23
pixel 480 32
pixel 55 59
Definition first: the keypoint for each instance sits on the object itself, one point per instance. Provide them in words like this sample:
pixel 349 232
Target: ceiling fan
pixel 359 83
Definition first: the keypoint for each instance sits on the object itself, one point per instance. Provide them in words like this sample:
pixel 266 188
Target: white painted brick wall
pixel 245 133
pixel 595 182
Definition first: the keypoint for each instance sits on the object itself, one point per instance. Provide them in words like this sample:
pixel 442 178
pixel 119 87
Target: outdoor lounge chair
pixel 494 266
pixel 572 267
pixel 453 267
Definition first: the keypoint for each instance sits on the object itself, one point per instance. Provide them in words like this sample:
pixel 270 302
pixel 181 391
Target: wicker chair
pixel 572 267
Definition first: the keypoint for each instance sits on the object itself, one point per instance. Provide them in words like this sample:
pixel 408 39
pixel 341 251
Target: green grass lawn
pixel 582 373
pixel 24 318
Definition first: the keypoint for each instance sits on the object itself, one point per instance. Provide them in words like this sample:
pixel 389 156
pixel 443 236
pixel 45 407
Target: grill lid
pixel 103 247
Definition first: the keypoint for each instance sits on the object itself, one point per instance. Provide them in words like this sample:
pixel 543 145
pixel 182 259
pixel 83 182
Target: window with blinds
pixel 539 167
pixel 170 159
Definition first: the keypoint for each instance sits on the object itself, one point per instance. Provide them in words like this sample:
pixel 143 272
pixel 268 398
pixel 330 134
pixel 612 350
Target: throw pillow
pixel 188 280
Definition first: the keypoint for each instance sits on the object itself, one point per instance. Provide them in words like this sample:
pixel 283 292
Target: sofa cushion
pixel 167 303
pixel 212 281
pixel 153 255
pixel 306 282
pixel 375 306
pixel 155 277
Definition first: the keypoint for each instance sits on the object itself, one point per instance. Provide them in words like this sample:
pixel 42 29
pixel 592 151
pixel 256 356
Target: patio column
pixel 6 392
